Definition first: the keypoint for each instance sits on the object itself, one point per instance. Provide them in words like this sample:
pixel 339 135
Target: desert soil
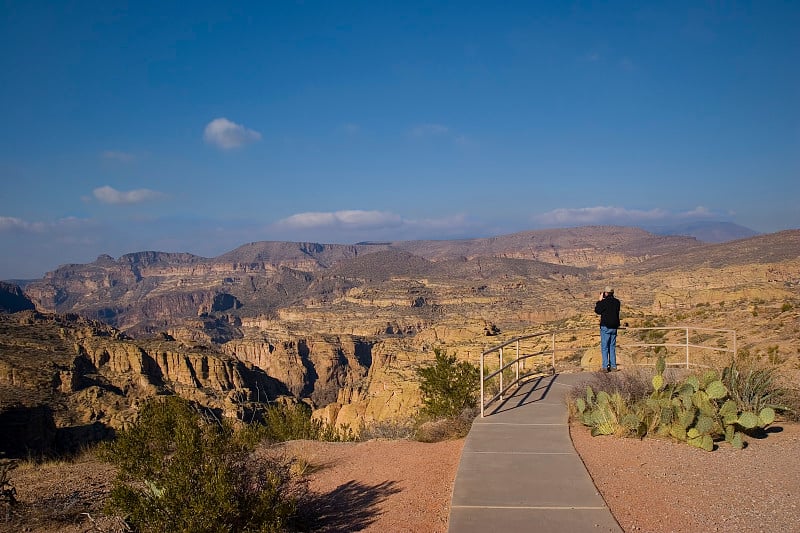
pixel 402 486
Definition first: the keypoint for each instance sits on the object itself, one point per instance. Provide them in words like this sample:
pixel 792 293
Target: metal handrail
pixel 518 361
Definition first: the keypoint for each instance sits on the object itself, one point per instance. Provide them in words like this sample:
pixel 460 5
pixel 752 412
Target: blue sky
pixel 198 127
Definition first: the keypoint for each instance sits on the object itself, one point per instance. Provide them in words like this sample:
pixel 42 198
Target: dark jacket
pixel 608 309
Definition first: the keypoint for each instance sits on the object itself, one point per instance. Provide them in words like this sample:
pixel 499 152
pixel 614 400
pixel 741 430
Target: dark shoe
pixel 608 368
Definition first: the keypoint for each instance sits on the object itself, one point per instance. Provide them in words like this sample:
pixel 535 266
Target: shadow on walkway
pixel 533 390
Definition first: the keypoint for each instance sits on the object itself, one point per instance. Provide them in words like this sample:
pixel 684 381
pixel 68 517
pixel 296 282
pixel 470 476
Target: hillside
pixel 344 326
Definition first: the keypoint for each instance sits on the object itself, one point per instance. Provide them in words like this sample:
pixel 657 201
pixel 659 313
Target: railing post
pixel 501 373
pixel 482 398
pixel 517 361
pixel 687 348
pixel 735 356
pixel 553 352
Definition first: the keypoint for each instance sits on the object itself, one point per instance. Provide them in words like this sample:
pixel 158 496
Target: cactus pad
pixel 580 403
pixel 766 416
pixel 748 420
pixel 716 390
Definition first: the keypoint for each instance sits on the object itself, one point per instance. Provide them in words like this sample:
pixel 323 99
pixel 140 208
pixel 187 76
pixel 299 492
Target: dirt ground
pixel 382 486
pixel 659 486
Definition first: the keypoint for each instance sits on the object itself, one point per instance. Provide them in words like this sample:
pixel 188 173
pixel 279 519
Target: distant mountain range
pixel 706 231
pixel 710 232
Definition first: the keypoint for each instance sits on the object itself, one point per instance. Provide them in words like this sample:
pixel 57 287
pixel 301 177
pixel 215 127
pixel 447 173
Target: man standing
pixel 608 309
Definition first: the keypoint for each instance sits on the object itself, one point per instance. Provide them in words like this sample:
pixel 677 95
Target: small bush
pixel 8 493
pixel 446 428
pixel 284 422
pixel 388 429
pixel 448 387
pixel 181 472
pixel 754 387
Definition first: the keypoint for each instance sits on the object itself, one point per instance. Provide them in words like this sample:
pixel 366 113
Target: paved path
pixel 520 472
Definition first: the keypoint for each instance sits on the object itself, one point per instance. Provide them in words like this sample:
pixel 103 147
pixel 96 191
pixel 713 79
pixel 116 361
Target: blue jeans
pixel 608 346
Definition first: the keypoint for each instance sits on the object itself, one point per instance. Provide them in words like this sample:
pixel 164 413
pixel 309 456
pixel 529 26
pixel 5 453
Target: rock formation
pixel 344 326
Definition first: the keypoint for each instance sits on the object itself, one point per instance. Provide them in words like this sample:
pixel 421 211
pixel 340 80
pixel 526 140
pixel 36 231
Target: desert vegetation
pixel 181 471
pixel 181 468
pixel 699 408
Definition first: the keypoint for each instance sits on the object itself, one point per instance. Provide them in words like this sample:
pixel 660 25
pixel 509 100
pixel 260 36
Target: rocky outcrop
pixel 88 379
pixel 310 367
pixel 12 299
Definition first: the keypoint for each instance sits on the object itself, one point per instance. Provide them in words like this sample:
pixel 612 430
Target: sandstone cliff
pixel 344 326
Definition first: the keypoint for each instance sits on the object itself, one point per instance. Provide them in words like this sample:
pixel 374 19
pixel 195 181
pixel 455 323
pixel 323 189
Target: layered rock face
pixel 310 367
pixel 82 379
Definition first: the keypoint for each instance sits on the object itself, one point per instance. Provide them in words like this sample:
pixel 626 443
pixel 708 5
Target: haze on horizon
pixel 159 127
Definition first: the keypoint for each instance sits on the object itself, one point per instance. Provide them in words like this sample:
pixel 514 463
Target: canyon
pixel 343 327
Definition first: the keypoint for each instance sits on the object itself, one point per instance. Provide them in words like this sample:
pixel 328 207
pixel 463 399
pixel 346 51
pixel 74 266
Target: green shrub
pixel 448 387
pixel 179 471
pixel 282 422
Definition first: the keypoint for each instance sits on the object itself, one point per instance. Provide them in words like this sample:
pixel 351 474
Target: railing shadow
pixel 530 391
pixel 351 506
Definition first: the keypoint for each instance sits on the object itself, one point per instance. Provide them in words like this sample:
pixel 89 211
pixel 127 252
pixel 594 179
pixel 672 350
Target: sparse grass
pixel 395 429
pixel 632 385
pixel 446 428
pixel 290 421
pixel 85 452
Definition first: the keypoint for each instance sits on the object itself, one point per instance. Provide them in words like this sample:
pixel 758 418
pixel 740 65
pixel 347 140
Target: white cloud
pixel 11 224
pixel 429 130
pixel 117 155
pixel 17 224
pixel 109 195
pixel 352 219
pixel 226 135
pixel 616 215
pixel 364 225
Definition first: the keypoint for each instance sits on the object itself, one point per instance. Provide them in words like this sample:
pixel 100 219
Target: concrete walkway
pixel 520 472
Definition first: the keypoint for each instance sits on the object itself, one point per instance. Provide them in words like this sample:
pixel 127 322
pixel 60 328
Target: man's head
pixel 609 290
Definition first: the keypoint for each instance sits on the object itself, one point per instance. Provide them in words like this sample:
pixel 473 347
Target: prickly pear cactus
pixel 729 412
pixel 697 410
pixel 661 365
pixel 766 416
pixel 716 390
pixel 580 403
pixel 748 420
